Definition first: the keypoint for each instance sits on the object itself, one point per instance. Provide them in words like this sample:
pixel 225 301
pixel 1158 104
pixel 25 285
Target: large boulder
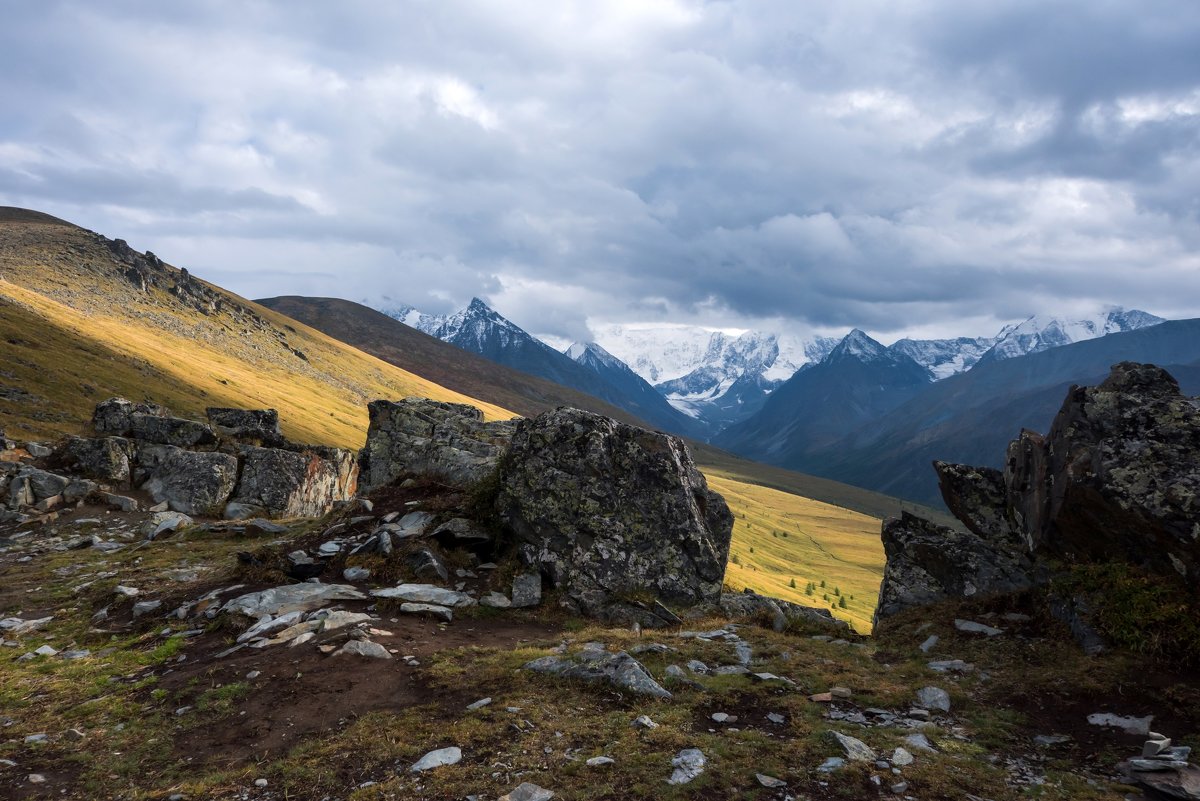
pixel 260 425
pixel 189 482
pixel 104 458
pixel 280 483
pixel 421 437
pixel 928 563
pixel 1118 476
pixel 610 512
pixel 115 415
pixel 149 422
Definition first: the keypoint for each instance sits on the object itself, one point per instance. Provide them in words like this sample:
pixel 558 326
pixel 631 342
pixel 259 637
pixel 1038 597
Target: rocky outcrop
pixel 750 605
pixel 417 436
pixel 281 483
pixel 195 483
pixel 104 458
pixel 1116 478
pixel 256 425
pixel 928 563
pixel 148 422
pixel 610 512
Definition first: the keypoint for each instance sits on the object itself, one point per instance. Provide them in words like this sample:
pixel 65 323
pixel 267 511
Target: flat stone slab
pixel 437 759
pixel 428 610
pixel 425 594
pixel 364 648
pixel 620 670
pixel 688 763
pixel 290 598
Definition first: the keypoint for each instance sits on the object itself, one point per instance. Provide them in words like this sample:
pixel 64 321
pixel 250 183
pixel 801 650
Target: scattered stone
pixel 480 704
pixel 688 763
pixel 424 562
pixel 33 739
pixel 600 761
pixel 45 650
pixel 1050 740
pixel 951 666
pixel 1130 724
pixel 527 791
pixel 291 597
pixel 854 748
pixel 933 698
pixel 145 607
pixel 831 764
pixel 441 613
pixel 972 627
pixel 526 590
pixel 620 670
pixel 643 722
pixel 722 717
pixel 161 523
pixel 901 758
pixel 930 641
pixel 899 788
pixel 776 718
pixel 843 693
pixel 459 533
pixel 919 742
pixel 495 600
pixel 356 574
pixel 36 778
pixel 260 782
pixel 821 698
pixel 364 648
pixel 425 594
pixel 437 759
pixel 770 782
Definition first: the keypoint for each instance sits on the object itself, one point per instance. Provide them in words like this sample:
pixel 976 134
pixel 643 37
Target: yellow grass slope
pixel 781 540
pixel 74 333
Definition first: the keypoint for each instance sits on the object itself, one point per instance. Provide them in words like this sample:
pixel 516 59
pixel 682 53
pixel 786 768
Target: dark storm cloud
pixel 875 164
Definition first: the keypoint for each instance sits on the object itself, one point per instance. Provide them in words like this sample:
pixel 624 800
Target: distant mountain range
pixel 852 410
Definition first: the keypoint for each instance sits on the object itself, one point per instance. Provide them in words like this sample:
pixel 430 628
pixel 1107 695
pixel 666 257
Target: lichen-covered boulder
pixel 608 511
pixel 149 422
pixel 976 495
pixel 115 415
pixel 928 563
pixel 189 482
pixel 104 458
pixel 281 483
pixel 261 425
pixel 421 437
pixel 1117 477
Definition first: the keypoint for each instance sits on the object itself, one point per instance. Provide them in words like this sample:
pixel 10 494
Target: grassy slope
pixel 779 538
pixel 69 348
pixel 74 332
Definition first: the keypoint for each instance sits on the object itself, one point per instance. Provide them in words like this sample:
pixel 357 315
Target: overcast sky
pixel 919 167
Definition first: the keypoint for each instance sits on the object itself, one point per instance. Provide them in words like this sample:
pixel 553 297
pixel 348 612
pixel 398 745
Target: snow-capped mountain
pixel 425 323
pixel 1041 333
pixel 697 368
pixel 944 357
pixel 482 330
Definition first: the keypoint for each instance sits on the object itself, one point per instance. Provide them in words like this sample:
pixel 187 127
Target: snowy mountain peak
pixel 594 356
pixel 1042 332
pixel 858 345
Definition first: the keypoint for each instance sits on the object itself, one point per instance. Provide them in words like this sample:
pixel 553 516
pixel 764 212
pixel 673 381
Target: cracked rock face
pixel 282 483
pixel 928 563
pixel 190 482
pixel 609 511
pixel 1117 478
pixel 417 436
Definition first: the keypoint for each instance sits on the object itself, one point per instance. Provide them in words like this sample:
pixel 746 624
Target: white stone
pixel 438 758
pixel 688 763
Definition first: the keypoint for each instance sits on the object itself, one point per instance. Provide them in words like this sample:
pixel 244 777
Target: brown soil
pixel 302 691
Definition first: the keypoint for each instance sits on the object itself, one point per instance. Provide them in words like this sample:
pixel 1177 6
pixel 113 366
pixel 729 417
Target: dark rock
pixel 279 483
pixel 105 458
pixel 928 563
pixel 115 415
pixel 607 510
pixel 976 495
pixel 424 562
pixel 1117 476
pixel 189 482
pixel 526 590
pixel 169 431
pixel 749 605
pixel 1073 613
pixel 421 437
pixel 260 425
pixel 461 532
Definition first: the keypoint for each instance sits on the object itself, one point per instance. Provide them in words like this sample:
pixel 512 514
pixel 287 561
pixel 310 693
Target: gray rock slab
pixel 688 763
pixel 437 759
pixel 291 597
pixel 425 594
